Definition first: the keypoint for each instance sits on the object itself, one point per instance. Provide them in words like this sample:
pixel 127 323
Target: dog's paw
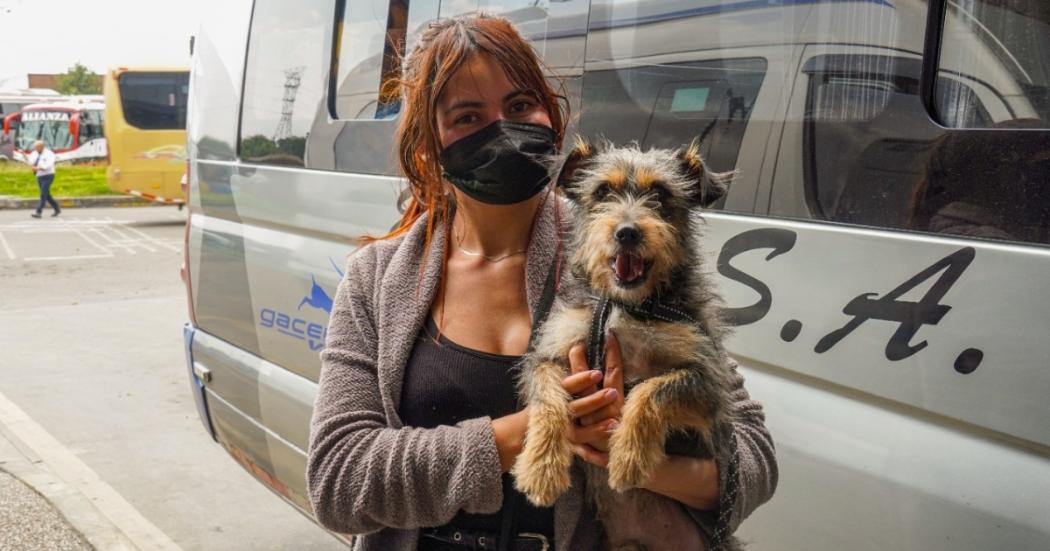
pixel 626 474
pixel 541 472
pixel 632 461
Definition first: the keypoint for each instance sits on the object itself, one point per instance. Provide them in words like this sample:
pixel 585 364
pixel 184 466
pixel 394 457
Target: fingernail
pixel 611 425
pixel 596 375
pixel 611 393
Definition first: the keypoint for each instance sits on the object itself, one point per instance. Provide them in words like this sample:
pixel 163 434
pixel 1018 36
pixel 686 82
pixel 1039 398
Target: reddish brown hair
pixel 444 45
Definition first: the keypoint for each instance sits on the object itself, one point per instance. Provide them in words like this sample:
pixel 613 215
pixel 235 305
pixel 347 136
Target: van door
pixel 894 333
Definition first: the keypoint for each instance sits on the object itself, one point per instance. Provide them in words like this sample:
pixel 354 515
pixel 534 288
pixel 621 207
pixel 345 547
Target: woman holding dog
pixel 417 422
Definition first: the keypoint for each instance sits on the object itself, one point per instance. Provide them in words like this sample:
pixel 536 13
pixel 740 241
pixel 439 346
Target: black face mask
pixel 501 164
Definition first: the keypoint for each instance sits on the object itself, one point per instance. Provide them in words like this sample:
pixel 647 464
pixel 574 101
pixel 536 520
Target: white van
pixel 883 253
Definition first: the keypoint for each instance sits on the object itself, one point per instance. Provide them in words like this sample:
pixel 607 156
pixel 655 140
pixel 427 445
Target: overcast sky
pixel 49 36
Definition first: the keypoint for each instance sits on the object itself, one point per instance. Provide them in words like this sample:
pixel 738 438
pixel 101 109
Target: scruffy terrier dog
pixel 636 249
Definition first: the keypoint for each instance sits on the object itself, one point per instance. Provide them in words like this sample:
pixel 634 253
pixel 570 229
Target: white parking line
pixel 112 242
pixel 77 231
pixel 109 236
pixel 73 257
pixel 148 237
pixel 117 227
pixel 7 248
pixel 74 472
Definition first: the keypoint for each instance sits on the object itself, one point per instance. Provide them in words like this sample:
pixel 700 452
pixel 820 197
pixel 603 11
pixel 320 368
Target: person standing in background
pixel 42 160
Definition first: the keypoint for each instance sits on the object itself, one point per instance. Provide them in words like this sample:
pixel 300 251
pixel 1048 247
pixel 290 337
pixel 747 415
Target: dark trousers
pixel 45 192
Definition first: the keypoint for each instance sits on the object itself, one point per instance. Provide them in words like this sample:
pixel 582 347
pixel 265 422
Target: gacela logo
pixel 291 325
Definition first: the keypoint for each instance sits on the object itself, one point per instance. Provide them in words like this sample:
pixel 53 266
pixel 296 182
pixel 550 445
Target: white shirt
pixel 46 164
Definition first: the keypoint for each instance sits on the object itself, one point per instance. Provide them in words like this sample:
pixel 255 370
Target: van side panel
pixel 903 373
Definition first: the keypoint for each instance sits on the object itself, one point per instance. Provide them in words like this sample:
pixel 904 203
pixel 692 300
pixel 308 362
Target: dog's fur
pixel 678 377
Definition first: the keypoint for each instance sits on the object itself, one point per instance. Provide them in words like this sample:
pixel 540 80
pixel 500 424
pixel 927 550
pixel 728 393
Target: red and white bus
pixel 72 128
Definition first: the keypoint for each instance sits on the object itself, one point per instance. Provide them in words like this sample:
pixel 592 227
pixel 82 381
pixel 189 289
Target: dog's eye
pixel 602 191
pixel 662 196
pixel 660 191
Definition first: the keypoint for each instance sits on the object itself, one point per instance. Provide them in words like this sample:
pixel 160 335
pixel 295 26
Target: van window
pixel 154 101
pixel 872 157
pixel 863 135
pixel 283 79
pixel 670 105
pixel 1005 46
pixel 366 62
pixel 371 37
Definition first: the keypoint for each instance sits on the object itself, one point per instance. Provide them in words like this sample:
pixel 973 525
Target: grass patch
pixel 70 180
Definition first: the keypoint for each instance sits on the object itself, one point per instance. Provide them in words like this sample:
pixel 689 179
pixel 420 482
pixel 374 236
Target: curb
pixel 14 202
pixel 16 459
pixel 92 507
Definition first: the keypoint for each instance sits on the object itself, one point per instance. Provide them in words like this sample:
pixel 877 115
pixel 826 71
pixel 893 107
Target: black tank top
pixel 446 383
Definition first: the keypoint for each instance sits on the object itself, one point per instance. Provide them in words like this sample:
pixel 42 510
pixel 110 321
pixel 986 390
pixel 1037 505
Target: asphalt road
pixel 91 315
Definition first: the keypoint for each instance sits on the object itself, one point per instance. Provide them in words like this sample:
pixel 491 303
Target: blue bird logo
pixel 318 297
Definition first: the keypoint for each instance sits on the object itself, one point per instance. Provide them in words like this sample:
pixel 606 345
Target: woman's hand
pixel 691 481
pixel 595 413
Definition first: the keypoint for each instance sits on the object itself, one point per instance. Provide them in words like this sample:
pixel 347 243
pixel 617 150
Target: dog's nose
pixel 628 235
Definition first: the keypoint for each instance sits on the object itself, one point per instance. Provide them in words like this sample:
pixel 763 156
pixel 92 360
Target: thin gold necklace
pixel 487 258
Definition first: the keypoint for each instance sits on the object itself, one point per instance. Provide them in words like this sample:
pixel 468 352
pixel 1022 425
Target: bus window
pixel 154 101
pixel 50 126
pixel 1014 61
pixel 91 125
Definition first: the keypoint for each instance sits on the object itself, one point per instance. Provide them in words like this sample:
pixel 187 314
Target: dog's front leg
pixel 541 471
pixel 651 410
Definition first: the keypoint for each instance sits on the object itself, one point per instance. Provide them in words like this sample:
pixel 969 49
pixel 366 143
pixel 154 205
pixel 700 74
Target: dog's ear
pixel 708 187
pixel 581 153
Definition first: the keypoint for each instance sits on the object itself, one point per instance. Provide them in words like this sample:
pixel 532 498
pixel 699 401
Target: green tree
pixel 79 80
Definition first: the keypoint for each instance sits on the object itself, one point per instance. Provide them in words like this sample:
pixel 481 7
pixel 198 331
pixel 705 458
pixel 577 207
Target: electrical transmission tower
pixel 292 77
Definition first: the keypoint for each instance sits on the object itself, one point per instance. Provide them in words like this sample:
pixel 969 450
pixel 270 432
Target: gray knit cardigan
pixel 370 475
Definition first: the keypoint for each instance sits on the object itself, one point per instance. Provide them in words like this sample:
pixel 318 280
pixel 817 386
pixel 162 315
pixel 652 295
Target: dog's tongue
pixel 629 267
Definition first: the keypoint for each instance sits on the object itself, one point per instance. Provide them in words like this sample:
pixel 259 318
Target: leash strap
pixel 596 337
pixel 727 498
pixel 653 310
pixel 508 531
pixel 508 528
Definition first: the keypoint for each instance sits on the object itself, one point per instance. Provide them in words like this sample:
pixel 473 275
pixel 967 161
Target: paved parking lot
pixel 93 376
pixel 83 238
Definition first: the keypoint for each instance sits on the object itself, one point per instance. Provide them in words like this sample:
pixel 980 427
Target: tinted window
pixel 154 101
pixel 873 157
pixel 1005 45
pixel 284 79
pixel 865 135
pixel 90 125
pixel 669 105
pixel 663 73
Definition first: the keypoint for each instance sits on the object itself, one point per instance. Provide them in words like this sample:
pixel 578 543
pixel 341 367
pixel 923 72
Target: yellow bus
pixel 146 131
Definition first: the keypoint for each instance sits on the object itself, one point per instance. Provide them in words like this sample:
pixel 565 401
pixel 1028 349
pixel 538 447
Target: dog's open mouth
pixel 630 268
